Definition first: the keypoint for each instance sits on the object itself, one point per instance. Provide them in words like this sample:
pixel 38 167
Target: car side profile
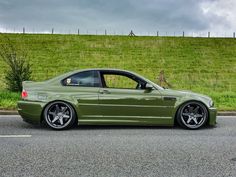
pixel 111 97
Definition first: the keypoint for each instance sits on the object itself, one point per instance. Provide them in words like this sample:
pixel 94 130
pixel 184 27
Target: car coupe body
pixel 111 97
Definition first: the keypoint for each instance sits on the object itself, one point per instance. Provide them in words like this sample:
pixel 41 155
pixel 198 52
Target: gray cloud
pixel 122 15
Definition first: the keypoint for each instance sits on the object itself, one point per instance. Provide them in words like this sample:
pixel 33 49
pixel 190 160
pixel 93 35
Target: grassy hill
pixel 205 65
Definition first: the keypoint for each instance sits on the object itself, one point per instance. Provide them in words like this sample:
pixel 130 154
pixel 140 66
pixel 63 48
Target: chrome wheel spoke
pixel 57 109
pixel 66 116
pixel 64 110
pixel 61 121
pixel 189 120
pixel 52 113
pixel 198 115
pixel 55 119
pixel 186 114
pixel 195 120
pixel 196 110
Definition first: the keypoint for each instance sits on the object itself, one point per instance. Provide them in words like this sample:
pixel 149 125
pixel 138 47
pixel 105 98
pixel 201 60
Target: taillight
pixel 24 94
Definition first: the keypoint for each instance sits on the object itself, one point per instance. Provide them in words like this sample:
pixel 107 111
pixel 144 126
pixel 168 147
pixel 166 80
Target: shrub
pixel 18 69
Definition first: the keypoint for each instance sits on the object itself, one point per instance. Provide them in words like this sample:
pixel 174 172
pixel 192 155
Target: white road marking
pixel 9 116
pixel 15 136
pixel 226 117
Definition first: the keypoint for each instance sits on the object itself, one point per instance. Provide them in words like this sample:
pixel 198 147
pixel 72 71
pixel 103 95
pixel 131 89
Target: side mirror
pixel 149 86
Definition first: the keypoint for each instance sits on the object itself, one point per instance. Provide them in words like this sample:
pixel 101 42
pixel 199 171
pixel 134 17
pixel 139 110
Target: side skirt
pixel 126 120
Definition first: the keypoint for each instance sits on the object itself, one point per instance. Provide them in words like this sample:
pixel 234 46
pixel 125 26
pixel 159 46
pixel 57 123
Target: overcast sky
pixel 118 16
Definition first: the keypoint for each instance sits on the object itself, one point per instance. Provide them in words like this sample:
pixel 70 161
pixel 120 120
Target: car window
pixel 83 79
pixel 119 81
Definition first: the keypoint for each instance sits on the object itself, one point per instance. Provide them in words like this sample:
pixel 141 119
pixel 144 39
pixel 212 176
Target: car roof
pixel 57 80
pixel 102 69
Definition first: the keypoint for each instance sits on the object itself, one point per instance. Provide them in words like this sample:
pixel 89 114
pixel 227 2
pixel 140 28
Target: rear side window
pixel 83 79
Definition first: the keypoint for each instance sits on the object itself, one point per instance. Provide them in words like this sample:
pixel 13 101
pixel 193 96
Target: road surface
pixel 27 150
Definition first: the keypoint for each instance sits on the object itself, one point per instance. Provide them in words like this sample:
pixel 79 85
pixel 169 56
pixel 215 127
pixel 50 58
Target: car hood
pixel 190 93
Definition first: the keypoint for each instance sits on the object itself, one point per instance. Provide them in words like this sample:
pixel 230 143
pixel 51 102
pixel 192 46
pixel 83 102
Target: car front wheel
pixel 59 115
pixel 192 115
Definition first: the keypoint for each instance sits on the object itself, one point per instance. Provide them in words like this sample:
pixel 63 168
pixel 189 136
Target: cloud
pixel 120 16
pixel 221 14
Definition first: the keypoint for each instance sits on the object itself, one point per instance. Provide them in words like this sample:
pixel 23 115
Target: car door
pixel 84 87
pixel 124 100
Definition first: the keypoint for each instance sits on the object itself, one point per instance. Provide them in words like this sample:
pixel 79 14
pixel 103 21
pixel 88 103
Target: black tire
pixel 192 115
pixel 59 115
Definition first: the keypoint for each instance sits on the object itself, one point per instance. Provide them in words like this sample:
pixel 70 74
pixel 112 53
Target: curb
pixel 14 112
pixel 8 112
pixel 230 113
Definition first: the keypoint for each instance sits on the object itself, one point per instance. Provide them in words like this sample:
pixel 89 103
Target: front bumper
pixel 30 111
pixel 212 116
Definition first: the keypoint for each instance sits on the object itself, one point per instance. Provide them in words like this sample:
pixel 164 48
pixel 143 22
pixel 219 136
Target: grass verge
pixel 8 100
pixel 203 65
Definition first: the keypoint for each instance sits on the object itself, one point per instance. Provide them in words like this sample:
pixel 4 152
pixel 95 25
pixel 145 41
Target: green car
pixel 111 97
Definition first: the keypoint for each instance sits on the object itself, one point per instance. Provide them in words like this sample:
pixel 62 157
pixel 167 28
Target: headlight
pixel 211 103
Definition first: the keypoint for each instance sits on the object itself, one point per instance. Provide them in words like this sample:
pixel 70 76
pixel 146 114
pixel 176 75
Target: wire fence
pixel 162 33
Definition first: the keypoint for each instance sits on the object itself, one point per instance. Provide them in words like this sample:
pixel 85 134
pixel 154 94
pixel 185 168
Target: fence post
pixel 23 30
pixel 157 33
pixel 105 32
pixel 209 34
pixel 234 34
pixel 183 33
pixel 52 30
pixel 78 31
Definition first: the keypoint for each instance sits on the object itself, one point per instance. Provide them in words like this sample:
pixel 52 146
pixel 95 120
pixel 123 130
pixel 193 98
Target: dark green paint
pixel 120 107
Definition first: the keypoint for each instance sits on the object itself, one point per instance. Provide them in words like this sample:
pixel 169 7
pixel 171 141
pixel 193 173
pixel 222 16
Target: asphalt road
pixel 27 150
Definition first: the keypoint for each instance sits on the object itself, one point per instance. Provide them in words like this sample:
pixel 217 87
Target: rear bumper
pixel 212 116
pixel 30 111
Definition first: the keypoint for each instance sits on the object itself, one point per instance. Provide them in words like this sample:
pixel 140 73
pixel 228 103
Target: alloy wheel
pixel 59 115
pixel 193 115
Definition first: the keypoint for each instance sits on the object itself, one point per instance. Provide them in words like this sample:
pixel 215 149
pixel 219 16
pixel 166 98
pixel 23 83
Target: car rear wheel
pixel 59 115
pixel 192 115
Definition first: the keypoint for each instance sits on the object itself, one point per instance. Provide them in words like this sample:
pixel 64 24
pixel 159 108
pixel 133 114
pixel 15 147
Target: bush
pixel 18 67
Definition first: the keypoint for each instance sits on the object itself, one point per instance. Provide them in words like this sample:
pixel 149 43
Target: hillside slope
pixel 205 65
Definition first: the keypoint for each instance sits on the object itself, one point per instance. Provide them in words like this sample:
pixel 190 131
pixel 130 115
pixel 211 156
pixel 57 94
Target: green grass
pixel 204 65
pixel 8 99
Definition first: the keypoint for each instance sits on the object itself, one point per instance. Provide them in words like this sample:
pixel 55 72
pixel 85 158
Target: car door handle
pixel 104 92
